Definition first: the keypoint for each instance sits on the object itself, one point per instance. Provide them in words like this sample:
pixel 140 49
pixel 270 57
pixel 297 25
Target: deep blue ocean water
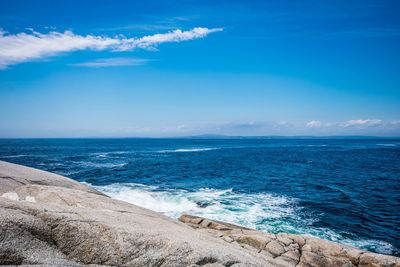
pixel 346 190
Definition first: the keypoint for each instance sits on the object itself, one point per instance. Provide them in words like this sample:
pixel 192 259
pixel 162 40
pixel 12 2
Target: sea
pixel 341 189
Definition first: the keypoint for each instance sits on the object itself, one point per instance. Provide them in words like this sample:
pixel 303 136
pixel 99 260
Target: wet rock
pixel 202 204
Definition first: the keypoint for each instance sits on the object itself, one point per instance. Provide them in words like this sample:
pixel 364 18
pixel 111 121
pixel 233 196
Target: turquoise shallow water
pixel 346 190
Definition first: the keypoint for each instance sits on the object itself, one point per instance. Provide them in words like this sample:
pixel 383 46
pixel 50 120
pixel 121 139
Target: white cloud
pixel 362 123
pixel 112 62
pixel 314 124
pixel 150 41
pixel 22 47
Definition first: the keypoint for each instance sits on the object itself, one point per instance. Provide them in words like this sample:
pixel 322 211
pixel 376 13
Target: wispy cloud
pixel 314 124
pixel 360 123
pixel 113 62
pixel 22 47
pixel 259 128
pixel 363 123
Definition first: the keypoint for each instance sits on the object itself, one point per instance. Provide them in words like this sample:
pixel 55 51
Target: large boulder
pixel 47 219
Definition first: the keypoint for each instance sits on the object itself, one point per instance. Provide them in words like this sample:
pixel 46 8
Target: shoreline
pixel 48 219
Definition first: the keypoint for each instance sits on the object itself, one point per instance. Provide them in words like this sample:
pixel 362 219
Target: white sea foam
pixel 367 244
pixel 371 244
pixel 102 156
pixel 226 205
pixel 265 212
pixel 183 150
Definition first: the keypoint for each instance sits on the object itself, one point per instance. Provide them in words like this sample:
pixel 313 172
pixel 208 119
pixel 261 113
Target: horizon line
pixel 216 136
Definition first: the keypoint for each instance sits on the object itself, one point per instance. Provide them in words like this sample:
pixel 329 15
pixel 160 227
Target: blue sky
pixel 176 68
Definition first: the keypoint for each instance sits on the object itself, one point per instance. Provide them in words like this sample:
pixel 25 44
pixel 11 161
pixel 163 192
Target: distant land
pixel 215 136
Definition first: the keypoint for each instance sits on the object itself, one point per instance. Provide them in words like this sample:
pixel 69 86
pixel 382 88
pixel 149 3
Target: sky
pixel 182 68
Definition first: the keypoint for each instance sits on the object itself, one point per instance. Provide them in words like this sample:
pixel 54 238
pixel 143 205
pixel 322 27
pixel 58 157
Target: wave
pixel 391 145
pixel 183 150
pixel 103 155
pixel 55 164
pixel 216 204
pixel 13 156
pixel 101 165
pixel 261 211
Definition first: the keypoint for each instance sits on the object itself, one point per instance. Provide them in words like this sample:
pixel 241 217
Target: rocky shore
pixel 48 219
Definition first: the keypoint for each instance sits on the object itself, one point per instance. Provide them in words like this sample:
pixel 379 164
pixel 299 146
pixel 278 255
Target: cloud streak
pixel 112 62
pixel 23 47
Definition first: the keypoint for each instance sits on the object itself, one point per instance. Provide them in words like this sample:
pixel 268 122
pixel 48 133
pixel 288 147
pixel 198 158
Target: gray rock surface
pixel 50 220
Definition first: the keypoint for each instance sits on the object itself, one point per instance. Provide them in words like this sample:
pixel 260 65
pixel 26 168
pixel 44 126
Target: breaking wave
pixel 183 150
pixel 261 211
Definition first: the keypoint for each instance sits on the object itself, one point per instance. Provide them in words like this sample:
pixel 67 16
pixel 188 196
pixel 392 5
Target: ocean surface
pixel 345 190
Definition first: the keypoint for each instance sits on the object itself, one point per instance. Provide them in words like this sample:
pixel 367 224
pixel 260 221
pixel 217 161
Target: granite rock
pixel 285 249
pixel 50 220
